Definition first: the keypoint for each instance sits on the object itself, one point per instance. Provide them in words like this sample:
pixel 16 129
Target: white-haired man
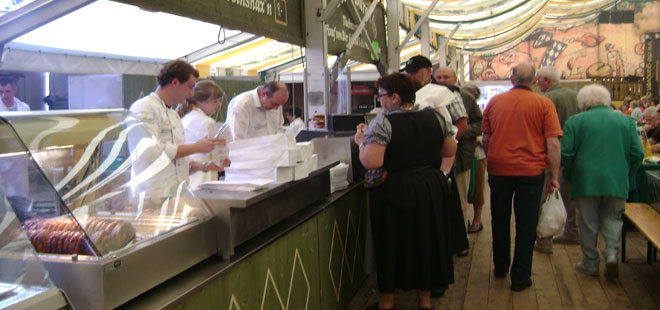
pixel 565 101
pixel 521 139
pixel 600 152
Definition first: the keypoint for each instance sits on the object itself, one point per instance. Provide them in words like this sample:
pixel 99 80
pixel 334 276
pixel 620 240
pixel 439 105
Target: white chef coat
pixel 196 126
pixel 296 126
pixel 165 125
pixel 250 120
pixel 18 106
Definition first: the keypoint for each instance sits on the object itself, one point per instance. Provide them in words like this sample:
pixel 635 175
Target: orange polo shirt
pixel 518 122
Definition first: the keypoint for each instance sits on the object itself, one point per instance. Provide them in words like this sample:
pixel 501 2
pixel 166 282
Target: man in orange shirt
pixel 521 137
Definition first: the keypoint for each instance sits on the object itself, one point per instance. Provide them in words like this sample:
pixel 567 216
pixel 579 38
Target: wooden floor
pixel 556 283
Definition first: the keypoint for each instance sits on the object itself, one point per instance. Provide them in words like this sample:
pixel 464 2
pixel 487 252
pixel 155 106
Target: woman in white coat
pixel 206 100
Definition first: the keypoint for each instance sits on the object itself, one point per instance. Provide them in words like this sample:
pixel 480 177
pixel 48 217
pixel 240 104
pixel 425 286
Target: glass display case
pixel 101 203
pixel 24 281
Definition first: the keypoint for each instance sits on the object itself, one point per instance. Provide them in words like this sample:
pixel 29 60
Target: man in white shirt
pixel 8 89
pixel 176 81
pixel 258 112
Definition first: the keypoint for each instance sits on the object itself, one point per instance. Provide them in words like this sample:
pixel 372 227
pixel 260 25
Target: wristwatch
pixel 204 167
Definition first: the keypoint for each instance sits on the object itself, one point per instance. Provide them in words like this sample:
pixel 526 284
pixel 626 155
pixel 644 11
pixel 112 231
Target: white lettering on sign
pixel 259 6
pixel 348 23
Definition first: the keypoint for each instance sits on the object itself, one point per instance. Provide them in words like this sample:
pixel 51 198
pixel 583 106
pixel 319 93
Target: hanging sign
pixel 276 19
pixel 343 23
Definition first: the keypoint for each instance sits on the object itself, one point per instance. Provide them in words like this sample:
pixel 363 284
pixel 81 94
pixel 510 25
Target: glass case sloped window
pixel 103 167
pixel 22 275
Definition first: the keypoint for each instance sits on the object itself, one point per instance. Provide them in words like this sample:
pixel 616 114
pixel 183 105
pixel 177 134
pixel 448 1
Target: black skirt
pixel 413 227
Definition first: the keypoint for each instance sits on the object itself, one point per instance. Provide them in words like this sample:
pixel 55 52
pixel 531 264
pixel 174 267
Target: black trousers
pixel 525 191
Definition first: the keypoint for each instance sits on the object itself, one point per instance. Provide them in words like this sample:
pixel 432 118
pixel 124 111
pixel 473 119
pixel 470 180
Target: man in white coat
pixel 10 103
pixel 176 81
pixel 258 112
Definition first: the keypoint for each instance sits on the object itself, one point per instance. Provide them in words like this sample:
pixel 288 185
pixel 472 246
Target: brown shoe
pixel 543 245
pixel 566 239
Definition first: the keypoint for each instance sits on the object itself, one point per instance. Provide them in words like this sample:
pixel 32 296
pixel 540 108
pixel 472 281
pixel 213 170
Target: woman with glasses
pixel 403 149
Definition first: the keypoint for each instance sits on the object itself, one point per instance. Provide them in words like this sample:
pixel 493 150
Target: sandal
pixel 475 228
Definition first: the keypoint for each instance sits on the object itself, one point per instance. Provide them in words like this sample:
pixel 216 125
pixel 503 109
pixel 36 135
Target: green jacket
pixel 600 151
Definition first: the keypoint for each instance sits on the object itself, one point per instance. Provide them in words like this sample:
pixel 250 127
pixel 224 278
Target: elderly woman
pixel 409 221
pixel 600 151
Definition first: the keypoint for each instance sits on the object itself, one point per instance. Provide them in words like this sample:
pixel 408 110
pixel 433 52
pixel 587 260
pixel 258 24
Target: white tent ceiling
pixel 111 30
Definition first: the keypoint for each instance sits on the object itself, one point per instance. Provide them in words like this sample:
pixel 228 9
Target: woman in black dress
pixel 410 224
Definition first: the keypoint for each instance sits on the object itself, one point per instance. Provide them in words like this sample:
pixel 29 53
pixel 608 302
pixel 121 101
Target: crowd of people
pixel 420 152
pixel 422 148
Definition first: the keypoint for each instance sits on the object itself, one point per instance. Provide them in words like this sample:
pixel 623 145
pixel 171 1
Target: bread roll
pixel 63 235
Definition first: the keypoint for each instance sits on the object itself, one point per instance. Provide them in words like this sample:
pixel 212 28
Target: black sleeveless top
pixel 417 139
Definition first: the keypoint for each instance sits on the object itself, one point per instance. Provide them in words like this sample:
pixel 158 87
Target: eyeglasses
pixel 382 95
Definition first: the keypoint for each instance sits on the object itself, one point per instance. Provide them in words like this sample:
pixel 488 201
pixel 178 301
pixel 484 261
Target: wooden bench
pixel 647 221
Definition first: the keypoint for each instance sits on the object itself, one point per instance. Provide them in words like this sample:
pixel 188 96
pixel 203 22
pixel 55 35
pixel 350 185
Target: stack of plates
pixel 339 177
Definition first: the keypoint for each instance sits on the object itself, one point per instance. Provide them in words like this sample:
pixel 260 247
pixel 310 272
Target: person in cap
pixel 436 96
pixel 450 106
pixel 8 89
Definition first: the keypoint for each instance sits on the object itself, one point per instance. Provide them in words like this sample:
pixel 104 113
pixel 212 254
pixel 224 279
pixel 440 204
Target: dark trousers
pixel 526 194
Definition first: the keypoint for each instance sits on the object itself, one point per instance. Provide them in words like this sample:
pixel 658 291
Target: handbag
pixel 375 177
pixel 553 216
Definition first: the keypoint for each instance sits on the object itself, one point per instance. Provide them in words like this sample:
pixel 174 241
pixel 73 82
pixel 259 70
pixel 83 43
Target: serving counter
pixel 310 260
pixel 242 215
pixel 115 225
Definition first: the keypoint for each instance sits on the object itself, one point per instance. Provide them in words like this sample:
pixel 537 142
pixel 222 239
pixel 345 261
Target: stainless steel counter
pixel 242 215
pixel 178 288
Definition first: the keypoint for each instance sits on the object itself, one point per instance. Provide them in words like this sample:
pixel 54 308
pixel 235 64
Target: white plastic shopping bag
pixel 553 216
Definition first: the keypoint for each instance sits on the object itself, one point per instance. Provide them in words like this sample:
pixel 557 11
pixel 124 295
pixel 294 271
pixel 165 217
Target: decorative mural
pixel 587 51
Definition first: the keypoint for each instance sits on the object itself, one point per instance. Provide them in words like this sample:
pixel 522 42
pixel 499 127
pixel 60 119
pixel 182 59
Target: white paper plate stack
pixel 306 161
pixel 339 177
pixel 268 157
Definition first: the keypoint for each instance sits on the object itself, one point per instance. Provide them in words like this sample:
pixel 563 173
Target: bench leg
pixel 649 252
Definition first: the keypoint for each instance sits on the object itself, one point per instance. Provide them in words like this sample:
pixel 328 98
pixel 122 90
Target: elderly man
pixel 466 144
pixel 258 112
pixel 8 89
pixel 436 96
pixel 521 137
pixel 565 101
pixel 600 152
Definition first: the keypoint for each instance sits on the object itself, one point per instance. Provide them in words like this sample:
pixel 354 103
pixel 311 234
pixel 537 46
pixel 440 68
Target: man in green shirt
pixel 600 151
pixel 565 101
